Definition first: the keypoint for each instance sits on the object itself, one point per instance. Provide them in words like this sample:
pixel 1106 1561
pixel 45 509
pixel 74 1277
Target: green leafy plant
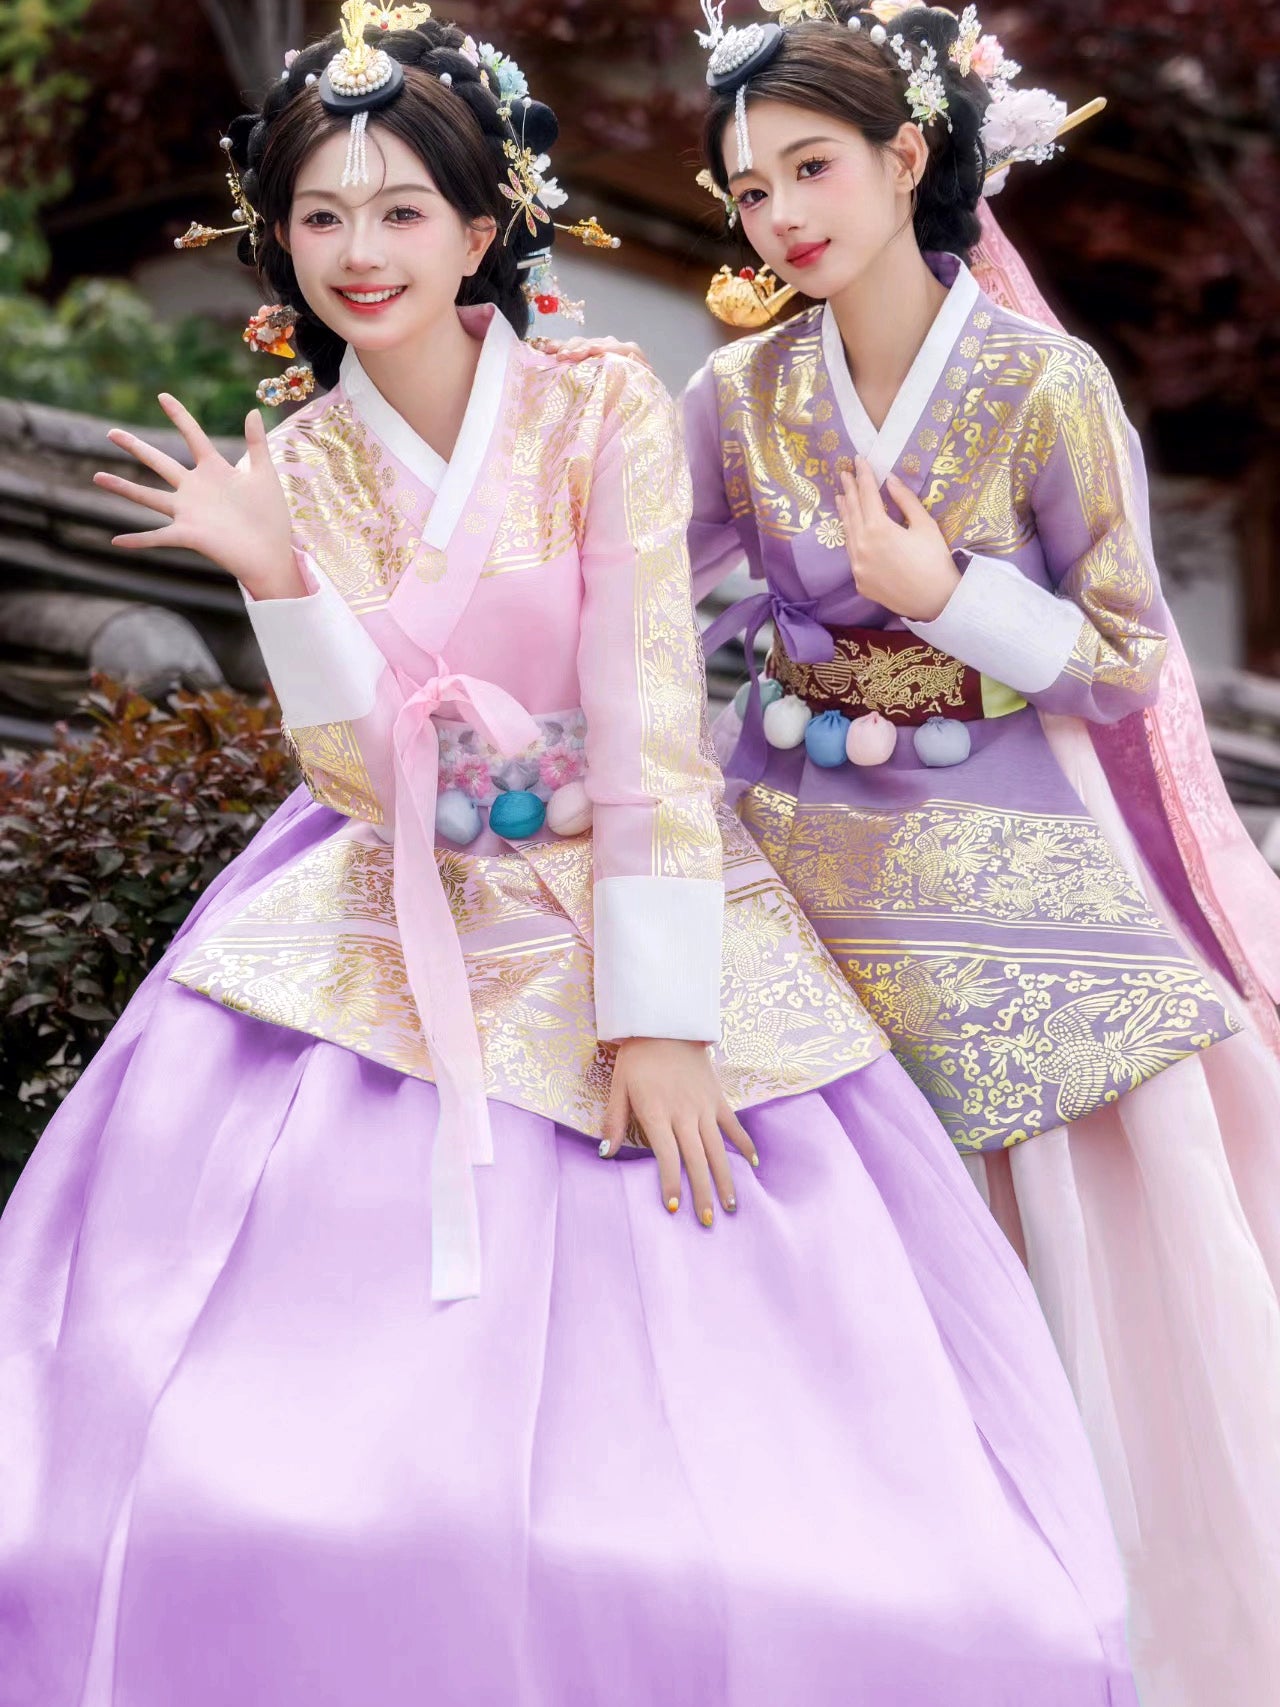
pixel 102 350
pixel 40 91
pixel 106 843
pixel 24 254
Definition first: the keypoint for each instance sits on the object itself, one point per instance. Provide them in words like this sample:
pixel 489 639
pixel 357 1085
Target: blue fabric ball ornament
pixel 825 738
pixel 943 741
pixel 517 815
pixel 769 691
pixel 457 817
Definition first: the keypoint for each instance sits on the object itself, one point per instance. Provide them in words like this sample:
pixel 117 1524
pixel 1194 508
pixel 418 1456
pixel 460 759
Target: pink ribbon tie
pixel 433 959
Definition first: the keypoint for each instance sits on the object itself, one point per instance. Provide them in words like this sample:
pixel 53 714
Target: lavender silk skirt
pixel 824 1454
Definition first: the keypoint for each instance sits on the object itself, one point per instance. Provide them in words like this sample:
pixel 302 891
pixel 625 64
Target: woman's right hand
pixel 237 517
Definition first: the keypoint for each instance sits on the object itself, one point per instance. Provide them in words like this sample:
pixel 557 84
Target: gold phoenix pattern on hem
pixel 990 945
pixel 318 952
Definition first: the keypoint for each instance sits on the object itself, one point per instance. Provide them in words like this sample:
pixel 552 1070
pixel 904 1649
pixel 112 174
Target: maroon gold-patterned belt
pixel 893 672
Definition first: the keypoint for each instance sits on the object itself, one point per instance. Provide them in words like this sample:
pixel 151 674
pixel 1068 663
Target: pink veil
pixel 1162 770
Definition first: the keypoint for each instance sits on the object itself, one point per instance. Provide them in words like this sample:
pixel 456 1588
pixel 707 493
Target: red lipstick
pixel 805 254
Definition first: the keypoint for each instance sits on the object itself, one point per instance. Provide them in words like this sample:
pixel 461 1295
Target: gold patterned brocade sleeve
pixel 651 774
pixel 715 544
pixel 650 770
pixel 1091 514
pixel 333 767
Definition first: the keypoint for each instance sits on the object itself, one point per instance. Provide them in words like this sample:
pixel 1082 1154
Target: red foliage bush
pixel 106 843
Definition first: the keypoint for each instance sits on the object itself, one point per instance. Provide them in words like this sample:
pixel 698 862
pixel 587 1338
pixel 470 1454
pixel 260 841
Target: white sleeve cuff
pixel 1005 626
pixel 658 951
pixel 323 665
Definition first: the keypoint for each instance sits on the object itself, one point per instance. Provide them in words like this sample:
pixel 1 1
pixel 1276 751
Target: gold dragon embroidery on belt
pixel 878 677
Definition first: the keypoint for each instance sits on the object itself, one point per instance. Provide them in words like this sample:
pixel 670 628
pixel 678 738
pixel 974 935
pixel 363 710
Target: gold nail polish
pixel 707 1217
pixel 673 1203
pixel 755 1161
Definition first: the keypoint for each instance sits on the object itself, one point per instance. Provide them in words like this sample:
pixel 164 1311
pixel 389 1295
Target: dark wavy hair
pixel 456 129
pixel 827 68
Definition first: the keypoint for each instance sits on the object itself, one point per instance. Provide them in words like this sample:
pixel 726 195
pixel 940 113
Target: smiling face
pixel 820 203
pixel 379 263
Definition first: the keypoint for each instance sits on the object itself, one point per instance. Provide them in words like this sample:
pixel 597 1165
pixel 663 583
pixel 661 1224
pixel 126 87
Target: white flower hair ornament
pixel 1020 124
pixel 965 45
pixel 926 92
pixel 729 203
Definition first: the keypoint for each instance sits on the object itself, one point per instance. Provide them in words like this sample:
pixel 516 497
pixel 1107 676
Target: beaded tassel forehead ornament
pixel 359 78
pixel 362 78
pixel 1019 124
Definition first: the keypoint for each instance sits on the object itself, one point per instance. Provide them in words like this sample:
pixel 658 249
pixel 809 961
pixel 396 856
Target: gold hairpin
pixel 361 15
pixel 198 236
pixel 590 232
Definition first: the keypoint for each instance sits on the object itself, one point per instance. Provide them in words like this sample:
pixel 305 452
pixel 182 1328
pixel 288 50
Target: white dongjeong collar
pixel 451 481
pixel 882 449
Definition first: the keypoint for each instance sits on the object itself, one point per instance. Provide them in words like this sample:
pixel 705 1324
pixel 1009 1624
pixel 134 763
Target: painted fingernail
pixel 604 1147
pixel 707 1217
pixel 755 1160
pixel 673 1203
pixel 732 1206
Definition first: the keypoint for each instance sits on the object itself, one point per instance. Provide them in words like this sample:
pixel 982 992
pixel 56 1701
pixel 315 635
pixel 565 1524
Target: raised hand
pixel 235 516
pixel 907 567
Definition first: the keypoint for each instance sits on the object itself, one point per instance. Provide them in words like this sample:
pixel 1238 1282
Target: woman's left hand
pixel 671 1091
pixel 905 566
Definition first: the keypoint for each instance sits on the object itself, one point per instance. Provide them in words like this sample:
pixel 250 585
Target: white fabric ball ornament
pixel 457 818
pixel 785 722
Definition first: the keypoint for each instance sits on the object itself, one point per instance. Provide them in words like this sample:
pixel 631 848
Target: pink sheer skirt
pixel 1152 1234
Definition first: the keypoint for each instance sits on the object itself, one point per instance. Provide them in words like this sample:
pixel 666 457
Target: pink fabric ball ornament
pixel 871 740
pixel 569 810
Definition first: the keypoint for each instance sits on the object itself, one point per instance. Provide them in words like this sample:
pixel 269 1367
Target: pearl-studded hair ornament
pixel 926 92
pixel 877 35
pixel 359 79
pixel 737 54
